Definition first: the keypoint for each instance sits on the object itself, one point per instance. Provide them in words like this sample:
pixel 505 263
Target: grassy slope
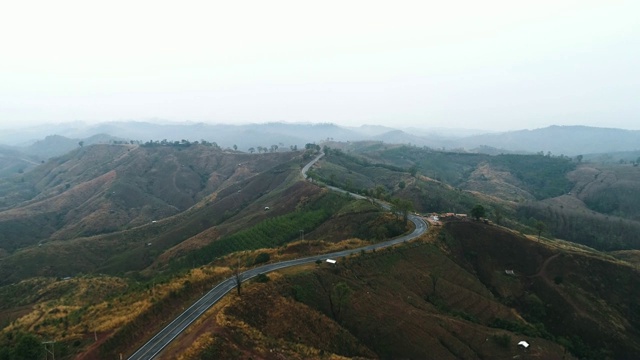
pixel 128 250
pixel 48 308
pixel 106 188
pixel 591 204
pixel 445 299
pixel 392 311
pixel 583 293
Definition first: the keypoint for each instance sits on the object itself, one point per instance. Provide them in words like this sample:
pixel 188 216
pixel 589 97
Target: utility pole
pixel 49 350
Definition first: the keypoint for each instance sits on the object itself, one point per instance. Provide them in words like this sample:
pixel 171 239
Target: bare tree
pixel 237 275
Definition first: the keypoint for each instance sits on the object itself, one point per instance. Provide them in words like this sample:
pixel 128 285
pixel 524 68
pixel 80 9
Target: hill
pixel 13 161
pixel 567 140
pixel 18 159
pixel 587 203
pixel 447 297
pixel 155 224
pixel 105 188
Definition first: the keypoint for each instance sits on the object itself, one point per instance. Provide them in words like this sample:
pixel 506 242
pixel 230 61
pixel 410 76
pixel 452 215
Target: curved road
pixel 180 323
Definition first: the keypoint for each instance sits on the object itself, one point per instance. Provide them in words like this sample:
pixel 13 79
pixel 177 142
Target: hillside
pixel 584 202
pixel 446 296
pixel 105 188
pixel 13 162
pixel 112 241
pixel 131 307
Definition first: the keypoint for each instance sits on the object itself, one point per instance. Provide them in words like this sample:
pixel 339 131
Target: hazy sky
pixel 495 65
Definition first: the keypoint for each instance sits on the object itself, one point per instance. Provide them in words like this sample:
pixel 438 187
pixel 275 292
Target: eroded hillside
pixel 471 291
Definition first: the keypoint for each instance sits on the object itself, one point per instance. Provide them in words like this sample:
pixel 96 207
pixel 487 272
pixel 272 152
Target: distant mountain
pixel 13 161
pixel 56 145
pixel 401 137
pixel 566 140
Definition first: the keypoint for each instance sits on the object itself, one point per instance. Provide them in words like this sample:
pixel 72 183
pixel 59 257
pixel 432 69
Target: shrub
pixel 503 340
pixel 262 258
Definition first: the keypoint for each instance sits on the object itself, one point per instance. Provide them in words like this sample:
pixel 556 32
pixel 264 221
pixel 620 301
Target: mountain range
pixel 567 140
pixel 111 241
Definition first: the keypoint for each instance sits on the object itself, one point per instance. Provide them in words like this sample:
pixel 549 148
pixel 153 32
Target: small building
pixel 523 344
pixel 331 261
pixel 509 272
pixel 266 208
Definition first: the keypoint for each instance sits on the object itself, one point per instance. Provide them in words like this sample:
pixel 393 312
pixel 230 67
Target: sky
pixel 492 65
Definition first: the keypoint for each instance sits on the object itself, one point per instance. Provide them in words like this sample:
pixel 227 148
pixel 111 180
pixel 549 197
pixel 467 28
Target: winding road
pixel 180 323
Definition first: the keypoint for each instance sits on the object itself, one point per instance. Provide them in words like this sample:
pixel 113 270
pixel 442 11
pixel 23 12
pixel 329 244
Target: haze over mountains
pixel 567 140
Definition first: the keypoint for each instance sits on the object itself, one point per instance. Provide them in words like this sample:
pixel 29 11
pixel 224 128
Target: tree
pixel 540 226
pixel 252 150
pixel 403 207
pixel 379 191
pixel 27 347
pixel 435 276
pixel 498 214
pixel 235 147
pixel 340 294
pixel 81 143
pixel 579 158
pixel 237 275
pixel 478 211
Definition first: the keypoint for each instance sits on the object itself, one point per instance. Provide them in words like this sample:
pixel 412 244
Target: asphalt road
pixel 180 323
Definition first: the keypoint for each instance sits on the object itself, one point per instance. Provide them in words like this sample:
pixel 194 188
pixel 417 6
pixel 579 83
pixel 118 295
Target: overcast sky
pixel 495 65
